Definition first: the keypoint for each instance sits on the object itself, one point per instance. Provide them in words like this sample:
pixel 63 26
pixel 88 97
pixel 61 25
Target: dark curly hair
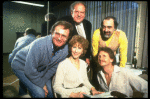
pixel 81 40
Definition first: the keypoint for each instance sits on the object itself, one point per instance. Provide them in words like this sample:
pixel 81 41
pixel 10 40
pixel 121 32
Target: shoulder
pixel 96 32
pixel 21 38
pixel 64 63
pixel 122 70
pixel 40 43
pixel 122 33
pixel 87 22
pixel 83 63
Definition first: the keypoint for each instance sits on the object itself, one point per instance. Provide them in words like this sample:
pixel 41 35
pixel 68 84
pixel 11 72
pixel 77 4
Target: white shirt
pixel 82 28
pixel 123 80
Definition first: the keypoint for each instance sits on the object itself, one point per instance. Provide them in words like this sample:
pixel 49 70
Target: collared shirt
pixel 123 80
pixel 82 28
pixel 123 44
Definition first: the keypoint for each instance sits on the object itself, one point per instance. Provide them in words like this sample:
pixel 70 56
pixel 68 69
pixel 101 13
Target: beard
pixel 107 34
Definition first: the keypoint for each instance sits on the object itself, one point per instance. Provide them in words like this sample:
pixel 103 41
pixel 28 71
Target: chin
pixel 59 45
pixel 75 57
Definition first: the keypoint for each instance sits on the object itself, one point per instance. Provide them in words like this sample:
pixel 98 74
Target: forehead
pixel 103 53
pixel 79 7
pixel 108 22
pixel 60 29
pixel 77 44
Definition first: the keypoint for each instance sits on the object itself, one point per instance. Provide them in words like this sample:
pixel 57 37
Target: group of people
pixel 65 55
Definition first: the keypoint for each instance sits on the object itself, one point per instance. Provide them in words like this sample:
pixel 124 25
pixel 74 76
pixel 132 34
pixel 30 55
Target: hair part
pixel 108 18
pixel 81 40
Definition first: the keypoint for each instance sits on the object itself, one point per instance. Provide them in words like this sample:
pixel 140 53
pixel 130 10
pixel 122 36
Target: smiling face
pixel 60 36
pixel 76 50
pixel 78 13
pixel 104 59
pixel 108 28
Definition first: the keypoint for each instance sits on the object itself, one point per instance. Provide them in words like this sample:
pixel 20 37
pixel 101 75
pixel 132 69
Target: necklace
pixel 76 64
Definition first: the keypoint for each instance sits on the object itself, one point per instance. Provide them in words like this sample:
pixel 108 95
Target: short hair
pixel 77 2
pixel 50 16
pixel 110 53
pixel 81 40
pixel 66 25
pixel 30 31
pixel 110 17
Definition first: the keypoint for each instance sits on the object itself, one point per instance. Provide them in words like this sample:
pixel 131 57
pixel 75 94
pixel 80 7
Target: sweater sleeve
pixel 95 41
pixel 123 48
pixel 31 65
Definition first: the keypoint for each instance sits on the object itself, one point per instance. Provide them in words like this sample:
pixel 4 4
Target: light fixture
pixel 28 3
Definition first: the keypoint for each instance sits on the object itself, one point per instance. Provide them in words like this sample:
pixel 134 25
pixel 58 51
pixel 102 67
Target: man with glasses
pixel 35 64
pixel 81 26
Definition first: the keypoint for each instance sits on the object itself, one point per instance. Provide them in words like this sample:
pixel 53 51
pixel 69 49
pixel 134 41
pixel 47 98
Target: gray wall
pixel 18 17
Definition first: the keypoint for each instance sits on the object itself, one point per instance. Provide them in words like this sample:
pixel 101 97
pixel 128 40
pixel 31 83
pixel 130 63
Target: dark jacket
pixel 87 27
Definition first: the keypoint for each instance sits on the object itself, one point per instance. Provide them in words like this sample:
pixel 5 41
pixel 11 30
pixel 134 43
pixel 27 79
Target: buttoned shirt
pixel 123 80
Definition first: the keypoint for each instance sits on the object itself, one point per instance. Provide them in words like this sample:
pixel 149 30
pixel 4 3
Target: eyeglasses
pixel 59 35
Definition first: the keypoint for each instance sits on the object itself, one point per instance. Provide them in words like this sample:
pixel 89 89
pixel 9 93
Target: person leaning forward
pixel 35 64
pixel 109 36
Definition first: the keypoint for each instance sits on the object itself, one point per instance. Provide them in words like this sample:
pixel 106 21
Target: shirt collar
pixel 116 69
pixel 80 24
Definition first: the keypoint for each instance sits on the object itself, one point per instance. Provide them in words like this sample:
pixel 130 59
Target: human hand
pixel 77 95
pixel 46 91
pixel 94 91
pixel 88 61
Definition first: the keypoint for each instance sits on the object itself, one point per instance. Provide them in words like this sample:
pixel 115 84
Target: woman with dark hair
pixel 71 75
pixel 111 77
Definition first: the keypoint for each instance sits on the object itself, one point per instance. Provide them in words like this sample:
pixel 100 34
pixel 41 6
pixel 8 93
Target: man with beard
pixel 109 36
